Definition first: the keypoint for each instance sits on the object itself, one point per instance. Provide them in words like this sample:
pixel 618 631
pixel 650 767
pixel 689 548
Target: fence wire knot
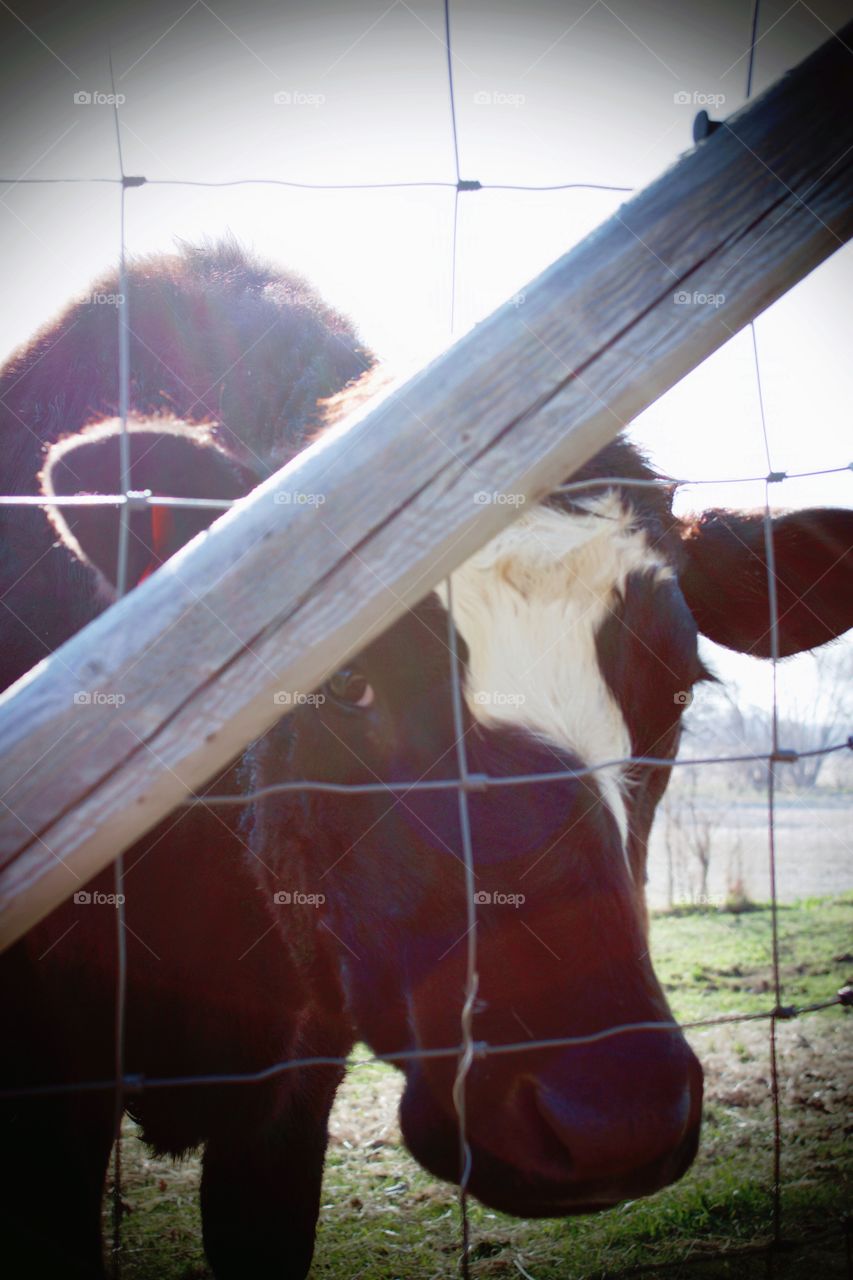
pixel 137 499
pixel 784 755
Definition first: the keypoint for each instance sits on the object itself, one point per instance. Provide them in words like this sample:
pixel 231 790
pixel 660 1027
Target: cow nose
pixel 630 1113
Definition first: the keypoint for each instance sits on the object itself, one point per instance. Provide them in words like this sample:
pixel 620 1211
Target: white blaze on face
pixel 529 606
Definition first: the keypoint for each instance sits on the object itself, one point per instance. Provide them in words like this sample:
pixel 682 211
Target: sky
pixel 333 92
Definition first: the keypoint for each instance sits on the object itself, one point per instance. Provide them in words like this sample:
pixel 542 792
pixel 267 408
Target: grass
pixel 713 962
pixel 384 1219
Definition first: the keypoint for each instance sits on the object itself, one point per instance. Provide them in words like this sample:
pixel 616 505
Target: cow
pixel 576 645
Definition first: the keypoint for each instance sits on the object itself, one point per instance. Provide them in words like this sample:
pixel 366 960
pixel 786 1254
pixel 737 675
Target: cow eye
pixel 351 688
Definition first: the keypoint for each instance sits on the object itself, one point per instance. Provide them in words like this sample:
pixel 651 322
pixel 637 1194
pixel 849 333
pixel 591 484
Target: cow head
pixel 577 646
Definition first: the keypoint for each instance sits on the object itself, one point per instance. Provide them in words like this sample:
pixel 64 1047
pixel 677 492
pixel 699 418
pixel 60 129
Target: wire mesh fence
pixel 468 1050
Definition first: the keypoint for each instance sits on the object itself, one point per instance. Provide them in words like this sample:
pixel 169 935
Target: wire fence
pixel 468 1050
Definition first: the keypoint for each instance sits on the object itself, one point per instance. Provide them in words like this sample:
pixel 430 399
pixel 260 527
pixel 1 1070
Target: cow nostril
pixel 615 1129
pixel 617 1140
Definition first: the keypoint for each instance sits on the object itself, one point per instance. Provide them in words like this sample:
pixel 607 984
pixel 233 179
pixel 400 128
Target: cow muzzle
pixel 563 1131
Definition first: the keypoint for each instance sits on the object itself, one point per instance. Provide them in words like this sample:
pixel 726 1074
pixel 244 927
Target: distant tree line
pixel 721 722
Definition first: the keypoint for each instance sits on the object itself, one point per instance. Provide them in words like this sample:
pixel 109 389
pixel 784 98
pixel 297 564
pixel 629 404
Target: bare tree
pixel 688 842
pixel 824 721
pixel 722 723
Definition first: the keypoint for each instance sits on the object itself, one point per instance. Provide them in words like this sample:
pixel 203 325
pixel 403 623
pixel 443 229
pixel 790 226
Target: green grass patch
pixel 712 961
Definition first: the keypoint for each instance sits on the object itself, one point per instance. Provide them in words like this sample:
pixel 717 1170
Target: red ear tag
pixel 162 538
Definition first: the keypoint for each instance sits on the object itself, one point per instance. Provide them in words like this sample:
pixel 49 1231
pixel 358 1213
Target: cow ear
pixel 725 579
pixel 165 457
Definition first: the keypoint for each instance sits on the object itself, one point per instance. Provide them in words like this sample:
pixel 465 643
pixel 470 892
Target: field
pixel 383 1219
pixel 814 845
